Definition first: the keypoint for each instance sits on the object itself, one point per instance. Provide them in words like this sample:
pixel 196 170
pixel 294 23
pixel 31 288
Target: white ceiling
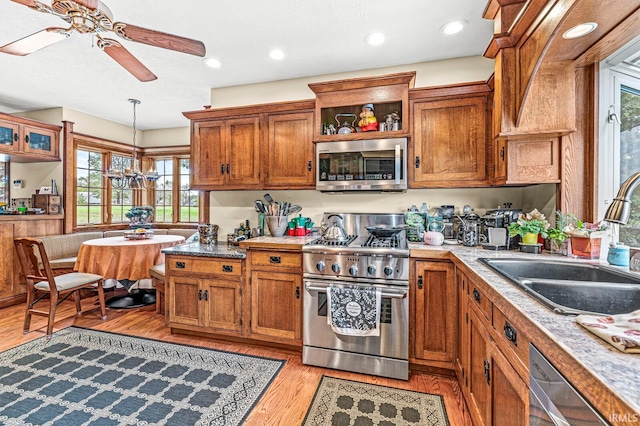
pixel 318 37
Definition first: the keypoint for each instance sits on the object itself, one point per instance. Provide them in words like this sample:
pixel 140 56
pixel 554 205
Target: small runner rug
pixel 340 402
pixel 87 377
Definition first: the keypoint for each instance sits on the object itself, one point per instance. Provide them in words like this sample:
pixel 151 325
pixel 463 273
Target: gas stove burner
pixel 333 243
pixel 388 242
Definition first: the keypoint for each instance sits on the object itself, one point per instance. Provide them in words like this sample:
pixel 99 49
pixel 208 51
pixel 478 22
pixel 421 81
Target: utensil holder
pixel 277 225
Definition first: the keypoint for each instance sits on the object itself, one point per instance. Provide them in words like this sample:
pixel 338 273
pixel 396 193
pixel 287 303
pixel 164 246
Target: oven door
pixel 393 341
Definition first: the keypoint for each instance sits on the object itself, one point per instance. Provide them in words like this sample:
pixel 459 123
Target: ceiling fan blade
pixel 159 39
pixel 35 41
pixel 129 62
pixel 29 3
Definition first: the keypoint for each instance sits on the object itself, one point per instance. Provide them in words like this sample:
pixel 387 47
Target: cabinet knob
pixel 487 371
pixel 420 284
pixel 298 292
pixel 26 138
pixel 221 169
pixel 309 165
pixel 180 265
pixel 206 295
pixel 510 333
pixel 15 137
pixel 476 295
pixel 228 168
pixel 227 268
pixel 275 259
pixel 417 161
pixel 199 294
pixel 502 153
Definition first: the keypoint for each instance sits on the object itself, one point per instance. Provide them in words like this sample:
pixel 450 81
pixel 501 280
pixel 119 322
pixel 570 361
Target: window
pixel 4 183
pixel 619 150
pixel 89 188
pixel 121 199
pixel 175 203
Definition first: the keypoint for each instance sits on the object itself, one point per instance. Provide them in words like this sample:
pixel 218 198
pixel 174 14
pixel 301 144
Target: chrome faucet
pixel 620 208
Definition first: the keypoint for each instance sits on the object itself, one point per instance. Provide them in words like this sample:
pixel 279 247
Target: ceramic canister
pixel 618 254
pixel 433 238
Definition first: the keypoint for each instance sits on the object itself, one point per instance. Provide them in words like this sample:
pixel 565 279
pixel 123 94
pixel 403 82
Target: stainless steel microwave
pixel 362 165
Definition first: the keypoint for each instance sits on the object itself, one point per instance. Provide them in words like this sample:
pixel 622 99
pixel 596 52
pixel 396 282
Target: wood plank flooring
pixel 284 403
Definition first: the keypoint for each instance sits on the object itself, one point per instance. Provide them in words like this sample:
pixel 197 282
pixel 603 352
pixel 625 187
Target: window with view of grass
pixel 164 191
pixel 121 199
pixel 4 183
pixel 189 200
pixel 89 188
pixel 174 202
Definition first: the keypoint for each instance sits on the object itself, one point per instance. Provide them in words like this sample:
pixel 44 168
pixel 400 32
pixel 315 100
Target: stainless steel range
pixel 370 250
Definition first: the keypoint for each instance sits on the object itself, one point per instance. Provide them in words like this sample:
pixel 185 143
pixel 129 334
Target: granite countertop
pixel 202 250
pixel 617 370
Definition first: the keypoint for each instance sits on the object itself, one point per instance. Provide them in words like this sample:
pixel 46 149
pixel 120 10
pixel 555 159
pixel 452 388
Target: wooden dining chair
pixel 42 282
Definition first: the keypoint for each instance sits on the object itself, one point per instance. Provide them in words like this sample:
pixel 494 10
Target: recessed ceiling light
pixel 276 54
pixel 212 62
pixel 453 27
pixel 375 39
pixel 580 30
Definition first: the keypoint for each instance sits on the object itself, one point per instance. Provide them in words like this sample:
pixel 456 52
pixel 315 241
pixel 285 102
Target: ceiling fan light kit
pixel 93 17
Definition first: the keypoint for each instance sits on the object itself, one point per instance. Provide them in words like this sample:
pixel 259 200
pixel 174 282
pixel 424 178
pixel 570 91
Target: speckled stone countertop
pixel 201 250
pixel 617 370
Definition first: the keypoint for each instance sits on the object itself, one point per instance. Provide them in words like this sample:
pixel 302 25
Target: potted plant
pixel 140 217
pixel 586 239
pixel 529 226
pixel 558 237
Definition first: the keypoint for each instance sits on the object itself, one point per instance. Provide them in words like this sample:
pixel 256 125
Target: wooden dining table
pixel 125 260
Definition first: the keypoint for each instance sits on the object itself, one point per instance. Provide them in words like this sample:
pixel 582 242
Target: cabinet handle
pixel 510 333
pixel 298 292
pixel 227 268
pixel 180 265
pixel 221 169
pixel 199 294
pixel 228 168
pixel 206 295
pixel 275 259
pixel 476 295
pixel 502 153
pixel 309 166
pixel 15 137
pixel 417 161
pixel 420 284
pixel 487 371
pixel 26 138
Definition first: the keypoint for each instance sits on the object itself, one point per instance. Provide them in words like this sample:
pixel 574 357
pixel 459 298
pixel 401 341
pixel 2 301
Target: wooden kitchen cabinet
pixel 449 143
pixel 225 154
pixel 527 161
pixel 205 294
pixel 290 153
pixel 434 295
pixel 26 140
pixel 276 296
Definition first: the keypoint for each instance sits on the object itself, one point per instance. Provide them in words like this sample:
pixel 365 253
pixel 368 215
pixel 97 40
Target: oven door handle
pixel 387 293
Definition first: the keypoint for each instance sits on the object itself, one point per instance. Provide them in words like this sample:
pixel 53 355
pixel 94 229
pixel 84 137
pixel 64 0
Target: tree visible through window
pixel 189 200
pixel 121 199
pixel 630 157
pixel 89 188
pixel 164 191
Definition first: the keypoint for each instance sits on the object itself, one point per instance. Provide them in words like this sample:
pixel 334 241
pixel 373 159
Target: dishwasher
pixel 552 399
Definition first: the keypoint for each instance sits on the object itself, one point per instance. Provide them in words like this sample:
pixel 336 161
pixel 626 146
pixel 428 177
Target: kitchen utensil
pixel 384 231
pixel 346 128
pixel 335 232
pixel 268 199
pixel 469 231
pixel 294 209
pixel 260 208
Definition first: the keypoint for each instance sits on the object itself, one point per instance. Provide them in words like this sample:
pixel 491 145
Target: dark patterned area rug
pixel 87 377
pixel 339 402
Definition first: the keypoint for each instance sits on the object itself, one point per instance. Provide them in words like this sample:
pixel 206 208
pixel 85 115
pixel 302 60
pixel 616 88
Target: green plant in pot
pixel 529 226
pixel 558 235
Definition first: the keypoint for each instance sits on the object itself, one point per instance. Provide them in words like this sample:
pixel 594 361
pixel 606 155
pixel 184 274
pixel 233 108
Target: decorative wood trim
pixel 239 111
pixel 30 122
pixel 167 151
pixel 364 82
pixel 68 173
pixel 452 90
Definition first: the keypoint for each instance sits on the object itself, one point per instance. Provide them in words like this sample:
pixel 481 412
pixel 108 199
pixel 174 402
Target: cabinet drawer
pixel 511 337
pixel 478 298
pixel 226 267
pixel 276 259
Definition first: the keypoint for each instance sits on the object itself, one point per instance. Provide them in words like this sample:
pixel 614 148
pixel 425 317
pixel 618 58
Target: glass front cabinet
pixel 29 140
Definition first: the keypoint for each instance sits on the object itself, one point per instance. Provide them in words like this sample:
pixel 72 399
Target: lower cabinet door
pixel 276 305
pixel 479 370
pixel 185 300
pixel 223 305
pixel 509 394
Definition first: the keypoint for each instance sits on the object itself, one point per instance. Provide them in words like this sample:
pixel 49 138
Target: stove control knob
pixel 371 270
pixel 320 266
pixel 353 270
pixel 388 270
pixel 335 268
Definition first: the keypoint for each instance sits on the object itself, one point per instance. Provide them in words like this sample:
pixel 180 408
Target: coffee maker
pixel 502 217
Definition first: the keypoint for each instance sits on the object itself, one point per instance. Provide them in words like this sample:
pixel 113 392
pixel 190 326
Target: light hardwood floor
pixel 284 403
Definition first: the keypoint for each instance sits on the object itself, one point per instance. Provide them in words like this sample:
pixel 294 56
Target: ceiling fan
pixel 94 17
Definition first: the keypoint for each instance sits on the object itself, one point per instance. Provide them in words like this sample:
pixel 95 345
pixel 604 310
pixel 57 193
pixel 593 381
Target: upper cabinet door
pixel 9 136
pixel 40 141
pixel 449 143
pixel 290 151
pixel 208 155
pixel 243 153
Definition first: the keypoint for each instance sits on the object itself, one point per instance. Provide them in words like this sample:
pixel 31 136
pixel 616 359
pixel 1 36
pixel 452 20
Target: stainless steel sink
pixel 572 288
